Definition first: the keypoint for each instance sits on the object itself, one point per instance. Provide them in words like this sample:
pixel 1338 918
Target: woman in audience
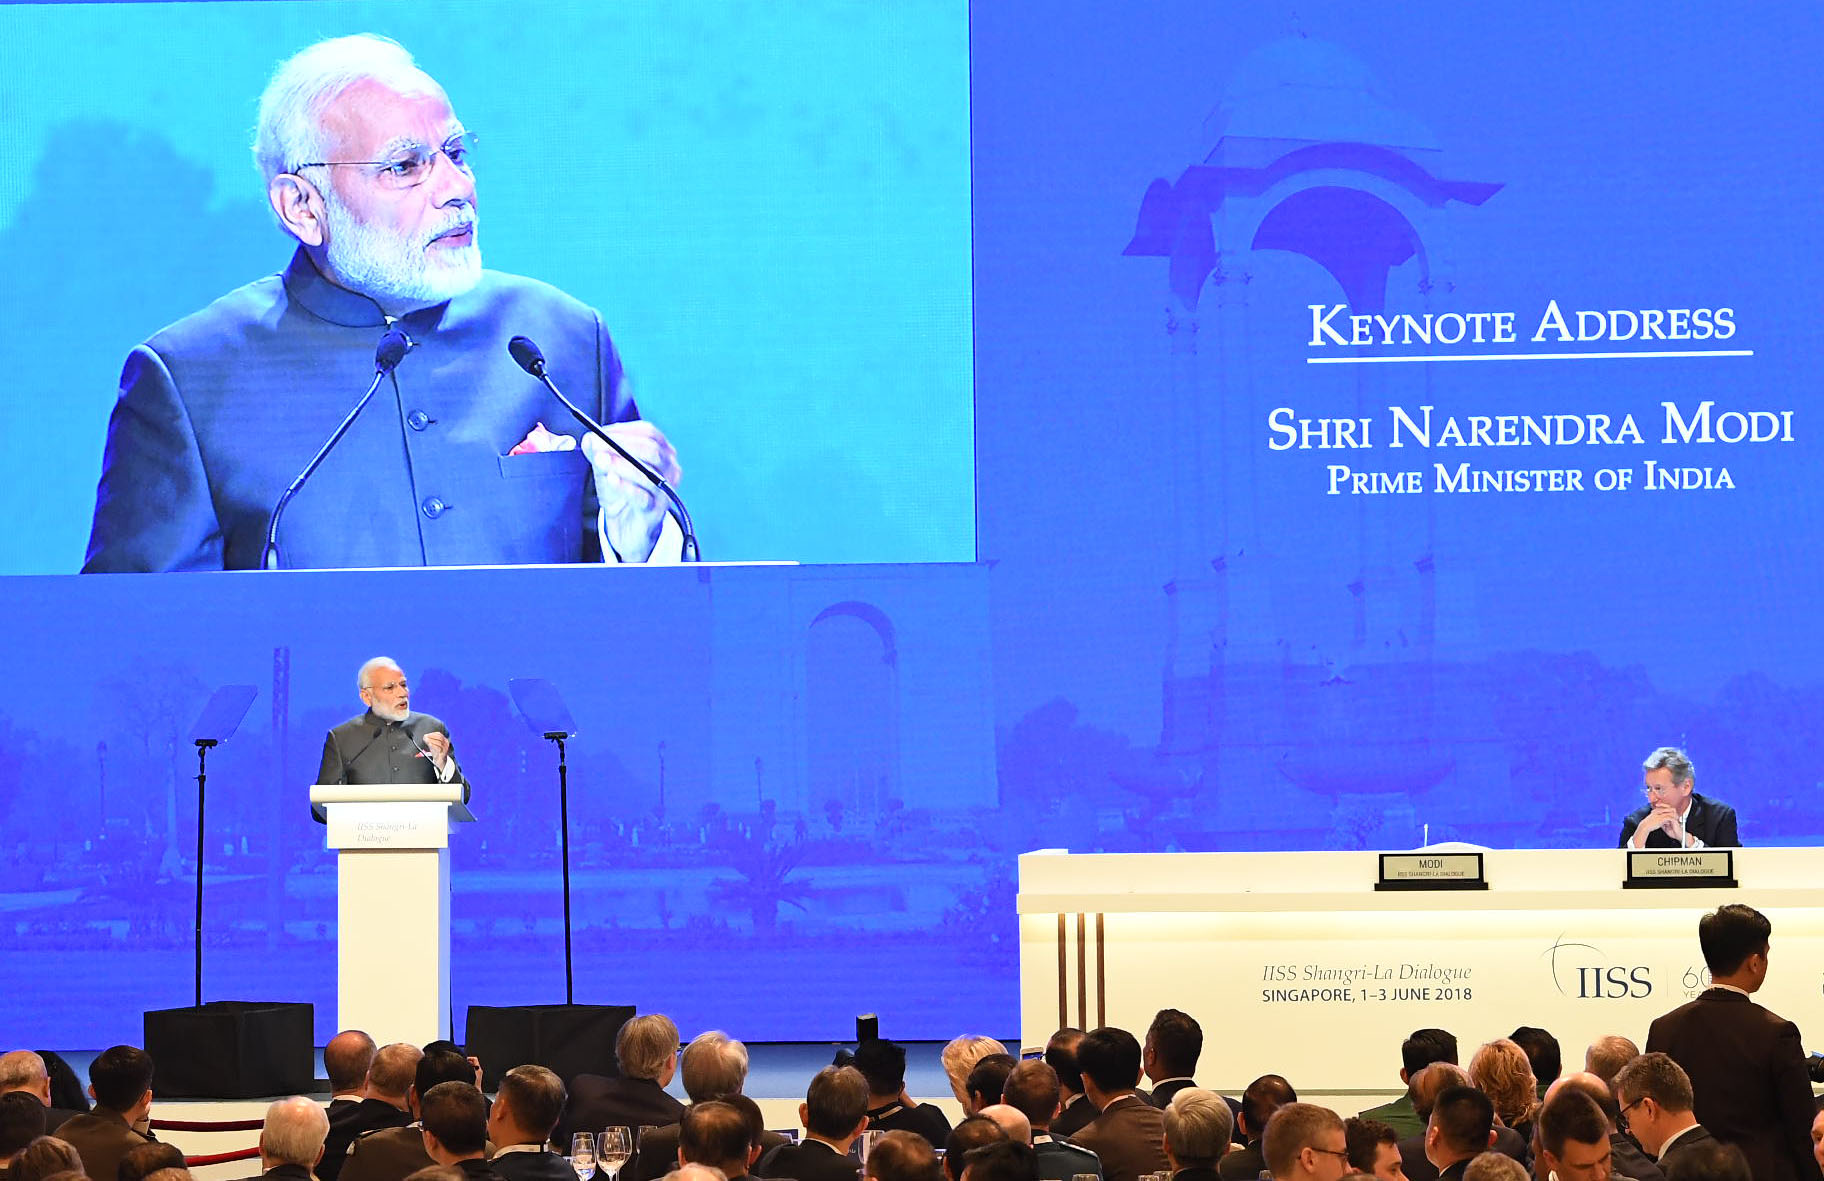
pixel 1501 1071
pixel 960 1057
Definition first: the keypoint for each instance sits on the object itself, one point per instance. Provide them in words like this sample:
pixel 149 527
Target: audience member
pixel 1542 1054
pixel 1174 1042
pixel 1374 1149
pixel 716 1133
pixel 1710 1161
pixel 1129 1134
pixel 525 1110
pixel 120 1078
pixel 389 1154
pixel 67 1091
pixel 1061 1056
pixel 646 1053
pixel 834 1112
pixel 695 1173
pixel 959 1058
pixel 292 1139
pixel 44 1158
pixel 142 1160
pixel 1607 1055
pixel 901 1155
pixel 713 1066
pixel 25 1072
pixel 1625 1157
pixel 22 1119
pixel 1007 1160
pixel 1461 1127
pixel 1198 1129
pixel 890 1109
pixel 1033 1090
pixel 1747 1068
pixel 1012 1121
pixel 347 1059
pixel 1500 1070
pixel 386 1103
pixel 1817 1136
pixel 1305 1142
pixel 986 1078
pixel 1418 1051
pixel 454 1117
pixel 1264 1096
pixel 1573 1138
pixel 969 1134
pixel 1496 1166
pixel 1654 1098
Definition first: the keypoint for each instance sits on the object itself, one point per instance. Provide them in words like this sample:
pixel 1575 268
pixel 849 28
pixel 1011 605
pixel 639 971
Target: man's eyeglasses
pixel 410 167
pixel 1339 1153
pixel 1622 1119
pixel 389 687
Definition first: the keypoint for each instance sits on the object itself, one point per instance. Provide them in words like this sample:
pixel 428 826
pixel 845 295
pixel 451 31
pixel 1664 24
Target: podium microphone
pixel 391 350
pixel 528 357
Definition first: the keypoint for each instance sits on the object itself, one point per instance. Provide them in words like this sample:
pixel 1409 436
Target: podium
pixel 392 844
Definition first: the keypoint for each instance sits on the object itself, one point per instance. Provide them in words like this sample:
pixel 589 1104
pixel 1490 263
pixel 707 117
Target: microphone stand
pixel 269 557
pixel 203 746
pixel 563 828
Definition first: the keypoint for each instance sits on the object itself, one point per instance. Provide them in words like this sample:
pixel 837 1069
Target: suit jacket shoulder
pixel 387 1154
pixel 807 1161
pixel 1129 1136
pixel 532 1166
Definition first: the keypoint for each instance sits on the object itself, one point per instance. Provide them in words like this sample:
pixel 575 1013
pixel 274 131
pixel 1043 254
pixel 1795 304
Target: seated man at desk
pixel 1675 816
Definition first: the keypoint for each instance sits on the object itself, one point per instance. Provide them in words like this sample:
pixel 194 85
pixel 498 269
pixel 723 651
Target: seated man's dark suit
pixel 1128 1137
pixel 1691 1138
pixel 1709 821
pixel 540 1164
pixel 390 1154
pixel 926 1119
pixel 348 1123
pixel 101 1137
pixel 657 1152
pixel 1627 1160
pixel 1749 1079
pixel 1455 1170
pixel 283 1172
pixel 221 410
pixel 1198 1174
pixel 808 1160
pixel 1243 1164
pixel 478 1170
pixel 1076 1116
pixel 597 1102
pixel 1060 1160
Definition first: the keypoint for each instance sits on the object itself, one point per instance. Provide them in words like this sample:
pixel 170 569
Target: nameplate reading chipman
pixel 1672 869
pixel 1431 871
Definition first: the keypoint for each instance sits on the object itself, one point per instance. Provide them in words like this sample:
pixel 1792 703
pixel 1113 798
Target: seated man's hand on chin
pixel 633 511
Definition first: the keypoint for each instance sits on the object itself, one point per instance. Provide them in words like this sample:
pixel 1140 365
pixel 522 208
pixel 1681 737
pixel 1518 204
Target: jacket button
pixel 432 507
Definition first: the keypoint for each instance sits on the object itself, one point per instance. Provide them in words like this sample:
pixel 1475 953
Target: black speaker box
pixel 231 1050
pixel 568 1039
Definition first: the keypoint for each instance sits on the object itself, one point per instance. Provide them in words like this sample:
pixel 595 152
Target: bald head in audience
pixel 903 1156
pixel 1011 1120
pixel 347 1059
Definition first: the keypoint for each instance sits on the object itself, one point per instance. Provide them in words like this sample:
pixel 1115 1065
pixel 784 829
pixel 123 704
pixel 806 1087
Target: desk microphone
pixel 528 357
pixel 392 349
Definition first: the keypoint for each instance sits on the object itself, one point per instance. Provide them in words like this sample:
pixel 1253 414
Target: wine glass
pixel 615 1146
pixel 582 1155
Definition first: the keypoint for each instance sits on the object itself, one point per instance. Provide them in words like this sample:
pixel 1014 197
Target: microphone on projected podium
pixel 391 350
pixel 528 357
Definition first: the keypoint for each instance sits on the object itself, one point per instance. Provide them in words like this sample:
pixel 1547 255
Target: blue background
pixel 1170 637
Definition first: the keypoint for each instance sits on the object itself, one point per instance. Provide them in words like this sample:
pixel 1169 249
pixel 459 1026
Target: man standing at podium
pixel 389 743
pixel 1675 816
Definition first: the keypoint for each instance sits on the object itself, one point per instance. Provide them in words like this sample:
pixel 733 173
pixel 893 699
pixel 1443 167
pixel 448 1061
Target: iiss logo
pixel 1581 970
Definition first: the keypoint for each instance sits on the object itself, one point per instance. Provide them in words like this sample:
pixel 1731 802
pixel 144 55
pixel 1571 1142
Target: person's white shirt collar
pixel 519 1148
pixel 1733 988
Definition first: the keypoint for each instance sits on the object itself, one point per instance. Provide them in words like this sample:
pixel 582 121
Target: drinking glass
pixel 582 1155
pixel 613 1149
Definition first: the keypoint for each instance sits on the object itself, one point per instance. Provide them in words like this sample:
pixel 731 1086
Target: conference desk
pixel 1295 964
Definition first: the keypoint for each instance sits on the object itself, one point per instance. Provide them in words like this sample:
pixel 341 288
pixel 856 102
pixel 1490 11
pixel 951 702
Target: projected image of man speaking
pixel 367 166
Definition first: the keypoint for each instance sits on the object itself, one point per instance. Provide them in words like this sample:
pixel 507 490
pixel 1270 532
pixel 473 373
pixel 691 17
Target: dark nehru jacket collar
pixel 323 299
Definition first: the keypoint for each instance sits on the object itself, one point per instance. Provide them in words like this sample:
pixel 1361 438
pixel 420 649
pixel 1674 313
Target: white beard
pixel 390 714
pixel 395 272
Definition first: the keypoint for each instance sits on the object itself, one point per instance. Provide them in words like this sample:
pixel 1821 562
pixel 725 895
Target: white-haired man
pixel 25 1070
pixel 291 1139
pixel 368 168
